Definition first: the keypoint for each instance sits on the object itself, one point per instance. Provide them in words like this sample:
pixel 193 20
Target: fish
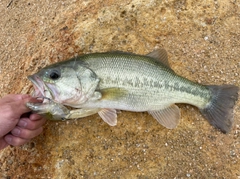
pixel 106 82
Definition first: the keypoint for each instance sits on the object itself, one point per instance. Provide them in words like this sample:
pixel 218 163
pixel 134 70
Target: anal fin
pixel 168 117
pixel 109 116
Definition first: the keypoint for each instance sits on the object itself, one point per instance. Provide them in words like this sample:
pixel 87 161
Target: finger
pixel 12 111
pixel 35 100
pixel 35 117
pixel 11 108
pixel 21 100
pixel 26 133
pixel 14 97
pixel 15 141
pixel 19 104
pixel 26 123
pixel 3 143
pixel 8 119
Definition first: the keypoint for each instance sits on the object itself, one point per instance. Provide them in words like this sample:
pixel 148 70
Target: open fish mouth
pixel 39 87
pixel 40 90
pixel 47 92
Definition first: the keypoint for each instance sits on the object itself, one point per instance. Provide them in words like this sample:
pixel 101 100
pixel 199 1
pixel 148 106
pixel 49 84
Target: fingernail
pixel 22 123
pixel 16 132
pixel 8 139
pixel 24 96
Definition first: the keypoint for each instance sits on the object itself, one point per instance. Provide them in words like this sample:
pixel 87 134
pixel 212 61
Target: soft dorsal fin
pixel 160 55
pixel 168 117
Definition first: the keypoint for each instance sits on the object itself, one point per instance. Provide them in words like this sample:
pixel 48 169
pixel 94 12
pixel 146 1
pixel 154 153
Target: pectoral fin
pixel 168 117
pixel 80 113
pixel 109 116
pixel 113 93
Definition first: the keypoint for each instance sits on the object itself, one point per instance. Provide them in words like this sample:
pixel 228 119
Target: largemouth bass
pixel 105 82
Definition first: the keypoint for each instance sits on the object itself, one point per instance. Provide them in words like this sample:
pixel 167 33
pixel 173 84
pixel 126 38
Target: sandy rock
pixel 202 40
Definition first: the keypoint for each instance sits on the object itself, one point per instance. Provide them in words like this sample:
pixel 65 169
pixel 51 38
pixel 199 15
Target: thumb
pixel 18 104
pixel 11 109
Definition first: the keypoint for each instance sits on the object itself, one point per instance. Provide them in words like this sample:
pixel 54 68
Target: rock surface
pixel 202 40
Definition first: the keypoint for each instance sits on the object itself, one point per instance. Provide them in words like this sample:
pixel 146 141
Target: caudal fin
pixel 219 112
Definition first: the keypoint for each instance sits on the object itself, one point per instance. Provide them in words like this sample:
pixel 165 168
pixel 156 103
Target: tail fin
pixel 219 112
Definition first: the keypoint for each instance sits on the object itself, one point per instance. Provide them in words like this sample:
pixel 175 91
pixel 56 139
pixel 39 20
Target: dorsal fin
pixel 119 52
pixel 160 55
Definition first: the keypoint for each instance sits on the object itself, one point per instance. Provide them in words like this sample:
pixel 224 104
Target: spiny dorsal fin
pixel 168 117
pixel 160 55
pixel 109 116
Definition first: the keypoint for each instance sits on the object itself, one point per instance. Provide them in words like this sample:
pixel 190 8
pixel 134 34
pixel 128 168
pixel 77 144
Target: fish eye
pixel 54 75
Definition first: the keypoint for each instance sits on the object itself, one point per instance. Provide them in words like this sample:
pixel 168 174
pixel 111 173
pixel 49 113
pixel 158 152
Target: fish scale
pixel 156 79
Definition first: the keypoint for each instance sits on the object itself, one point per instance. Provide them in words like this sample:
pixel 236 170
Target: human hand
pixel 17 125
